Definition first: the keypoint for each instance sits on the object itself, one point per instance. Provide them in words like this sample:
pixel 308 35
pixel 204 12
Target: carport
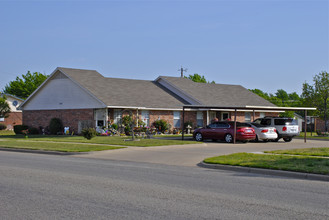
pixel 248 108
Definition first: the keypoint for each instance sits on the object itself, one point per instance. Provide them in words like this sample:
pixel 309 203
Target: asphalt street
pixel 36 186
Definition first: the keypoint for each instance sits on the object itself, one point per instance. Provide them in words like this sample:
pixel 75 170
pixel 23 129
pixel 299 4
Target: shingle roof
pixel 218 94
pixel 124 92
pixel 150 94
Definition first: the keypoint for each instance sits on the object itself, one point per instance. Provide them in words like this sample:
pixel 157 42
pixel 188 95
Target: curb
pixel 40 151
pixel 291 174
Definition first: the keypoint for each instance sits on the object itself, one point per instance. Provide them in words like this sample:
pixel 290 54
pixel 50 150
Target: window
pixel 222 125
pixel 247 116
pixel 2 119
pixel 176 119
pixel 199 119
pixel 100 123
pixel 262 115
pixel 146 118
pixel 117 116
pixel 225 116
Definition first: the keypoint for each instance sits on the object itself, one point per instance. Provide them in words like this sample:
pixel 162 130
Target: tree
pixel 317 95
pixel 4 107
pixel 25 86
pixel 198 78
pixel 281 98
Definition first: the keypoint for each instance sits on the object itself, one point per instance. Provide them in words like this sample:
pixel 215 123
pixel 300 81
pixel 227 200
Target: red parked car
pixel 224 130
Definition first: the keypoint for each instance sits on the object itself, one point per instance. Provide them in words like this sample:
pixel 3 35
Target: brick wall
pixel 14 118
pixel 69 117
pixel 320 124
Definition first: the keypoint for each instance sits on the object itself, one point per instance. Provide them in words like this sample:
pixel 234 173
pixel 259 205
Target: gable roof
pixel 124 92
pixel 217 94
pixel 173 94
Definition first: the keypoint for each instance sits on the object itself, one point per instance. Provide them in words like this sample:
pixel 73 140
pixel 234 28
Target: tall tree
pixel 25 86
pixel 317 95
pixel 198 78
pixel 281 98
pixel 4 107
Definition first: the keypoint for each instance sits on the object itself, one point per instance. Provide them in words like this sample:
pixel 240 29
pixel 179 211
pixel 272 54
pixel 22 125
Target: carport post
pixel 234 139
pixel 183 122
pixel 253 115
pixel 305 126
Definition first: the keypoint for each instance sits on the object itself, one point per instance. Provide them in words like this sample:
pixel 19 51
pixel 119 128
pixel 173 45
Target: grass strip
pixel 46 146
pixel 320 151
pixel 277 162
pixel 114 140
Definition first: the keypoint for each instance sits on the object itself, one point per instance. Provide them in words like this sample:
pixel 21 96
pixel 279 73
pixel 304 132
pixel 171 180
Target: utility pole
pixel 181 71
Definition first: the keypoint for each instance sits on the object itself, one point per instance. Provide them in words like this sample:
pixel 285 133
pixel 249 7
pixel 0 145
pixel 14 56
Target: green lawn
pixel 277 162
pixel 314 136
pixel 6 132
pixel 53 146
pixel 321 151
pixel 115 140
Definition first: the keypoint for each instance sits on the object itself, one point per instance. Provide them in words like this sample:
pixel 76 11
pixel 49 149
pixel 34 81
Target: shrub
pixel 161 125
pixel 2 126
pixel 33 130
pixel 89 133
pixel 19 128
pixel 127 120
pixel 127 130
pixel 55 126
pixel 115 126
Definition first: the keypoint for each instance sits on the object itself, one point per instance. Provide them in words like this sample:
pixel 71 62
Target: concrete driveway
pixel 190 155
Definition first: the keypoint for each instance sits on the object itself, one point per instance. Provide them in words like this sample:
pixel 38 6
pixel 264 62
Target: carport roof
pixel 274 108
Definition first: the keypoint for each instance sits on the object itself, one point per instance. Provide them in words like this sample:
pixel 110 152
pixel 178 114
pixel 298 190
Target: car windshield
pixel 285 121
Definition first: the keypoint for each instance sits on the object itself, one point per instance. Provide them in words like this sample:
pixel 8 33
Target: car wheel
pixel 198 137
pixel 228 138
pixel 265 140
pixel 287 139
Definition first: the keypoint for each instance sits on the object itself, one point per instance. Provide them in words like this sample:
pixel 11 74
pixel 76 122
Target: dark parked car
pixel 224 130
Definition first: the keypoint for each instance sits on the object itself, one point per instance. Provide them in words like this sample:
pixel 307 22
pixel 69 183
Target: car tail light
pixel 246 130
pixel 265 131
pixel 284 128
pixel 274 130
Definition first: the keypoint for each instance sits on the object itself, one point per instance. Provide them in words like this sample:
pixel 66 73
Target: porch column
pixel 234 136
pixel 253 115
pixel 207 117
pixel 305 126
pixel 183 130
pixel 137 118
pixel 106 118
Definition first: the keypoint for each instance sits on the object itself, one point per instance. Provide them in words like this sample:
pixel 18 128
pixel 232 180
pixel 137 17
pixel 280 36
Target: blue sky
pixel 269 44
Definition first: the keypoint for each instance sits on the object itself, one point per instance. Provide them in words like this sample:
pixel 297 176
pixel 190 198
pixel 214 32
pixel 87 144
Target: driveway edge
pixel 291 174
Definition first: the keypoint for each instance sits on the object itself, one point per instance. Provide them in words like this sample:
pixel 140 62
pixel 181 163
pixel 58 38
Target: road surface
pixel 35 186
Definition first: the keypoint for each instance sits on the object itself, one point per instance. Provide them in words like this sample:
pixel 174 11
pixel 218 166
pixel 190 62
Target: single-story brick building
pixel 15 115
pixel 78 96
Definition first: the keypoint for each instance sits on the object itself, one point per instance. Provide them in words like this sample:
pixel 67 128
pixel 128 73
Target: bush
pixel 127 130
pixel 33 130
pixel 19 128
pixel 2 126
pixel 127 120
pixel 89 133
pixel 115 126
pixel 55 126
pixel 161 125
